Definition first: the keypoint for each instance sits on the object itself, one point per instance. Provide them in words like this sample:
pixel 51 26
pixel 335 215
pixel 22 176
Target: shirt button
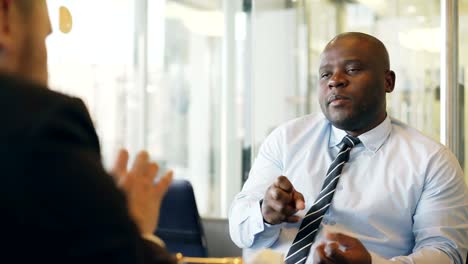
pixel 325 221
pixel 332 222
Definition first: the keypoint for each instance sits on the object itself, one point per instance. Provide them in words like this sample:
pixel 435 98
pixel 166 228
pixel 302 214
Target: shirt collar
pixel 372 139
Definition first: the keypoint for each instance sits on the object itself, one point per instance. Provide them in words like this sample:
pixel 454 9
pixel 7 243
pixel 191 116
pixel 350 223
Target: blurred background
pixel 201 83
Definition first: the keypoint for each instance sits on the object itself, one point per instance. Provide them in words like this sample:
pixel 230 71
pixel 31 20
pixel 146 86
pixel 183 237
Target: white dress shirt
pixel 401 193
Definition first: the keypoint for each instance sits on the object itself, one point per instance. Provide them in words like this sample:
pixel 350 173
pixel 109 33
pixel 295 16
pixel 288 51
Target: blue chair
pixel 179 223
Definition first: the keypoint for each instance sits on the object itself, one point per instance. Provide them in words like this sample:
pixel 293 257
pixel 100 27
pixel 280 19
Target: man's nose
pixel 338 80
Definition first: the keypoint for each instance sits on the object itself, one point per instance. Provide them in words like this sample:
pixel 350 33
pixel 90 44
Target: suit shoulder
pixel 28 95
pixel 25 106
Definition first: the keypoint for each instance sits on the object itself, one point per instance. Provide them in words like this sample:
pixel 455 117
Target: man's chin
pixel 343 122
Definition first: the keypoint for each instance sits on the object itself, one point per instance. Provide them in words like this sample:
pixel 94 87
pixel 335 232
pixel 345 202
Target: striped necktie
pixel 300 248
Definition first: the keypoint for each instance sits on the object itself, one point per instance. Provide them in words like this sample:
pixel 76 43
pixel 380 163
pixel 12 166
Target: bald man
pixel 353 185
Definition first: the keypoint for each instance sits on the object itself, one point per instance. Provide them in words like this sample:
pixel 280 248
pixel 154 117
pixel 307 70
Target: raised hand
pixel 144 197
pixel 281 202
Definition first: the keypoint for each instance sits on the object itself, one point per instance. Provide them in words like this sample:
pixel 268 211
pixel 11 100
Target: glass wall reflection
pixel 168 101
pixel 95 62
pixel 463 71
pixel 184 93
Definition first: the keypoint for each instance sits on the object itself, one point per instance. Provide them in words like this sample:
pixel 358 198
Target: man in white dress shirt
pixel 401 197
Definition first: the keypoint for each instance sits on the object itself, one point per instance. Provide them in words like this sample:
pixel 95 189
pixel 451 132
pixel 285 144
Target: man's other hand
pixel 144 197
pixel 281 202
pixel 353 251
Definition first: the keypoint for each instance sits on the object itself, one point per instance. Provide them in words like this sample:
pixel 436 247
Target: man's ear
pixel 390 78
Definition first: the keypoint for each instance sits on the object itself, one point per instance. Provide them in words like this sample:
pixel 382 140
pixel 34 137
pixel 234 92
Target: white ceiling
pixel 201 4
pixel 217 4
pixel 281 4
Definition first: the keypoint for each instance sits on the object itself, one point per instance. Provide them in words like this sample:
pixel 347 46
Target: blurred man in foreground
pixel 58 203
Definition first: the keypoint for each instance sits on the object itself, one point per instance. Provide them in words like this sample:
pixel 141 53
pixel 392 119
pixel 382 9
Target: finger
pixel 342 239
pixel 330 249
pixel 299 200
pixel 283 183
pixel 333 252
pixel 279 201
pixel 152 171
pixel 288 210
pixel 320 256
pixel 120 166
pixel 278 194
pixel 163 185
pixel 279 207
pixel 140 164
pixel 126 183
pixel 293 219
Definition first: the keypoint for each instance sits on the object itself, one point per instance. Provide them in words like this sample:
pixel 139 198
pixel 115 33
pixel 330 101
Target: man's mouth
pixel 337 100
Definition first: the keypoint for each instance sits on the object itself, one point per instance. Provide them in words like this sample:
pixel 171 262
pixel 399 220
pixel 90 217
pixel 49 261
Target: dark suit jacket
pixel 58 204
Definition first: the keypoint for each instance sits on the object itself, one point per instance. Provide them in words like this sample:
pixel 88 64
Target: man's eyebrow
pixel 343 62
pixel 321 67
pixel 350 61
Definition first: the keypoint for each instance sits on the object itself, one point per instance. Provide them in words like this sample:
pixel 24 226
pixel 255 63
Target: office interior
pixel 201 83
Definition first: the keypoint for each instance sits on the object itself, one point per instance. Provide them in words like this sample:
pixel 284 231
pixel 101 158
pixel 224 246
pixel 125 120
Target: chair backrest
pixel 179 223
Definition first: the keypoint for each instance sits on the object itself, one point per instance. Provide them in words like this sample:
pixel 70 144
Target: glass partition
pixel 463 73
pixel 184 93
pixel 279 66
pixel 94 61
pixel 166 76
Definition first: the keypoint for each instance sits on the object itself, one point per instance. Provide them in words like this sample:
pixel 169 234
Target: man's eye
pixel 353 70
pixel 324 75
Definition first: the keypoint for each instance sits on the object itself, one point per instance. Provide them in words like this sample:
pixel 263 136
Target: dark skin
pixel 281 202
pixel 329 253
pixel 354 77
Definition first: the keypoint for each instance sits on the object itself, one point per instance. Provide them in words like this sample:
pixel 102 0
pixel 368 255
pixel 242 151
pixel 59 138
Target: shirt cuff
pixel 265 234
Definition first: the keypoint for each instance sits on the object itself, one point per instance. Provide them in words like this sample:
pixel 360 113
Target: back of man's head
pixel 25 6
pixel 24 25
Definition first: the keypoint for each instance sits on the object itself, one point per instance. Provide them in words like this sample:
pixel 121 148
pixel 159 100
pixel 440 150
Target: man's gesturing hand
pixel 281 202
pixel 144 197
pixel 354 251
